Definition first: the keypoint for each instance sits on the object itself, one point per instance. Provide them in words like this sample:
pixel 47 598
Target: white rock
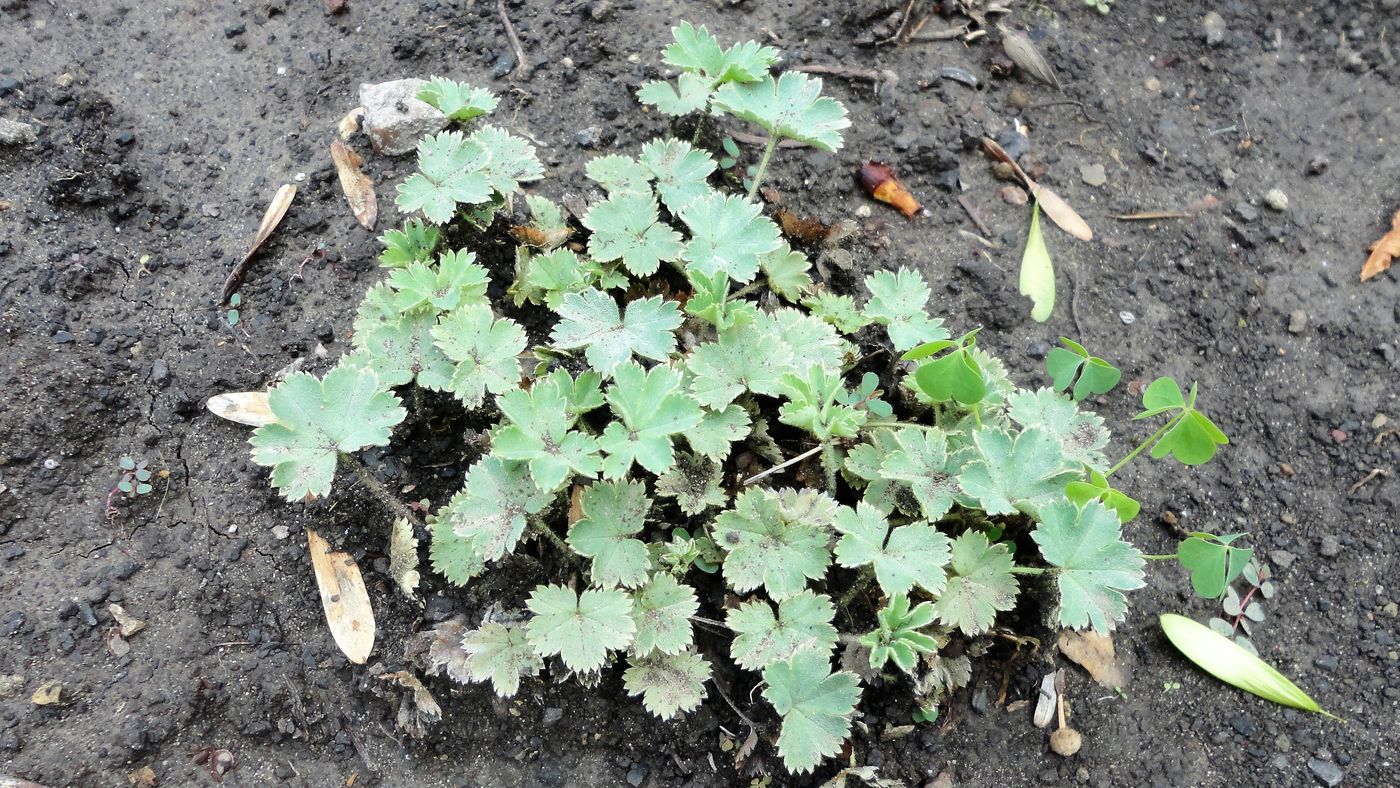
pixel 395 118
pixel 12 132
pixel 1276 199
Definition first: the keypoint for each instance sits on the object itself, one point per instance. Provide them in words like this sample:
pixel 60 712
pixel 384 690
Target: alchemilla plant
pixel 706 439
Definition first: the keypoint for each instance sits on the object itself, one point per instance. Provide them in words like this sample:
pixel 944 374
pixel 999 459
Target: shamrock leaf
pixel 802 622
pixel 690 94
pixel 457 100
pixel 1213 561
pixel 767 549
pixel 727 233
pixel 717 429
pixel 668 683
pixel 580 628
pixel 592 321
pixel 920 458
pixel 748 357
pixel 452 556
pixel 813 404
pixel 838 310
pixel 1081 434
pixel 954 371
pixel 613 514
pixel 651 407
pixel 1189 435
pixel 619 174
pixel 398 347
pixel 1006 475
pixel 1095 565
pixel 897 302
pixel 512 159
pixel 695 481
pixel 790 106
pixel 1097 488
pixel 662 609
pixel 786 272
pixel 457 280
pixel 909 555
pixel 485 350
pixel 449 172
pixel 815 705
pixel 898 637
pixel 1094 375
pixel 501 655
pixel 492 509
pixel 681 171
pixel 538 433
pixel 980 585
pixel 316 421
pixel 626 227
pixel 416 242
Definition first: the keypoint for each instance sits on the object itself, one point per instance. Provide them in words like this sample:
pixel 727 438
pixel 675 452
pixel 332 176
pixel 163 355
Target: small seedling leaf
pixel 766 548
pixel 727 234
pixel 979 586
pixel 662 611
pixel 790 107
pixel 591 320
pixel 1037 272
pixel 500 654
pixel 903 557
pixel 898 301
pixel 613 514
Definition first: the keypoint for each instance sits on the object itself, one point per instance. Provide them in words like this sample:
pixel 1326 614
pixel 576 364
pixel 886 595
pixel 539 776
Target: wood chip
pixel 359 190
pixel 244 407
pixel 1094 653
pixel 350 124
pixel 49 693
pixel 344 598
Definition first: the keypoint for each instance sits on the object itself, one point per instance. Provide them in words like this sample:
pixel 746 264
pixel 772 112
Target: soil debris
pixel 1383 251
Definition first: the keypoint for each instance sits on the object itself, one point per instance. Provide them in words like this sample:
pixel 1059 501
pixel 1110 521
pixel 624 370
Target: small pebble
pixel 233 31
pixel 1318 165
pixel 1153 84
pixel 1330 547
pixel 1328 773
pixel 1093 174
pixel 1297 321
pixel 1276 199
pixel 1282 558
pixel 1213 26
pixel 1018 99
pixel 1127 317
pixel 1013 195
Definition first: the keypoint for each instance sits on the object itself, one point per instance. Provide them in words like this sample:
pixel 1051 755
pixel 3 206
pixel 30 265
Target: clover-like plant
pixel 679 452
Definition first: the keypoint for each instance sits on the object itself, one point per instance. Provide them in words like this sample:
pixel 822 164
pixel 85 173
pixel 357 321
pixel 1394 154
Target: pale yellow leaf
pixel 358 189
pixel 244 407
pixel 344 598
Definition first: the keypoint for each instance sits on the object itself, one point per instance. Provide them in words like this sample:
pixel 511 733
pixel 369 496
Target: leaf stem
pixel 1028 570
pixel 799 458
pixel 1151 439
pixel 762 165
pixel 558 541
pixel 378 490
pixel 1168 557
pixel 866 575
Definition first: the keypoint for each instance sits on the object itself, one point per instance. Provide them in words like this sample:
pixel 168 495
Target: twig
pixel 1061 102
pixel 799 458
pixel 849 72
pixel 972 214
pixel 947 34
pixel 1074 302
pixel 898 37
pixel 720 689
pixel 514 39
pixel 1368 477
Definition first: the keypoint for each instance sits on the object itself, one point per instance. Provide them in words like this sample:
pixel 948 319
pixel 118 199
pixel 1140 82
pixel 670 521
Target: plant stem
pixel 1028 570
pixel 1151 439
pixel 554 538
pixel 763 165
pixel 746 289
pixel 866 575
pixel 378 490
pixel 1168 557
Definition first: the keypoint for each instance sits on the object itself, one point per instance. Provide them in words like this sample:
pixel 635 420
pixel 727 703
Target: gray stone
pixel 394 118
pixel 1326 772
pixel 1213 26
pixel 1297 321
pixel 1093 174
pixel 1330 547
pixel 1282 558
pixel 12 132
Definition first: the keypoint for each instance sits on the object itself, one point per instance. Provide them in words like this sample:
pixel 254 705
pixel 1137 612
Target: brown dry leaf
pixel 145 777
pixel 575 505
pixel 272 217
pixel 540 238
pixel 1385 249
pixel 49 693
pixel 746 749
pixel 403 557
pixel 359 190
pixel 350 124
pixel 418 708
pixel 244 407
pixel 1023 53
pixel 344 598
pixel 807 229
pixel 127 624
pixel 1094 653
pixel 881 183
pixel 1065 217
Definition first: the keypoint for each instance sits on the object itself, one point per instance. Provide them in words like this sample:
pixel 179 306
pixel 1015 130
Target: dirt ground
pixel 164 129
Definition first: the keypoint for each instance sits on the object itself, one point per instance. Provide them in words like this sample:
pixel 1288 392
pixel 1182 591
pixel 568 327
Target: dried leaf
pixel 127 625
pixel 746 749
pixel 1094 653
pixel 1385 249
pixel 419 708
pixel 344 598
pixel 116 644
pixel 145 777
pixel 403 557
pixel 272 217
pixel 350 124
pixel 531 235
pixel 49 693
pixel 881 183
pixel 1056 208
pixel 1046 700
pixel 244 407
pixel 575 505
pixel 1024 54
pixel 807 229
pixel 359 190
